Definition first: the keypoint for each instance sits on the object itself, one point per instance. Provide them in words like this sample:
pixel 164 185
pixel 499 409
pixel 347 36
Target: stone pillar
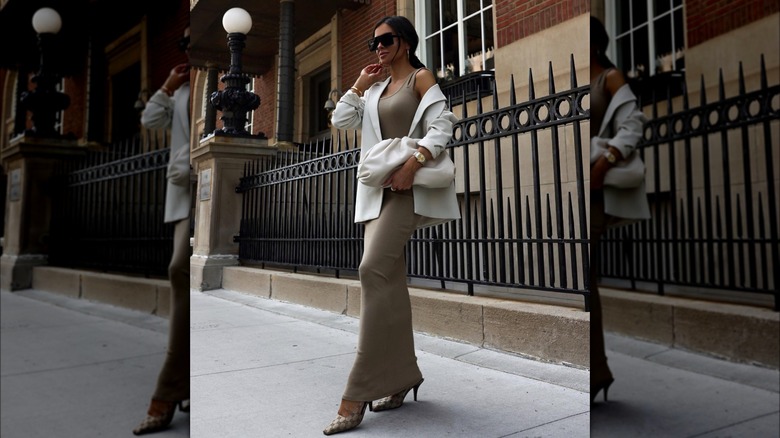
pixel 219 162
pixel 284 129
pixel 29 163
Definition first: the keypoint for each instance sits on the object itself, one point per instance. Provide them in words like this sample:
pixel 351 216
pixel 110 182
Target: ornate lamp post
pixel 235 101
pixel 44 102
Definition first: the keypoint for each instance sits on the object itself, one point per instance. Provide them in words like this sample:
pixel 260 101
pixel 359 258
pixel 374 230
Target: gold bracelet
pixel 167 91
pixel 356 90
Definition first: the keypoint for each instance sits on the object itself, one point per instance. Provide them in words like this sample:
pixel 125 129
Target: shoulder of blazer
pixel 623 96
pixel 433 96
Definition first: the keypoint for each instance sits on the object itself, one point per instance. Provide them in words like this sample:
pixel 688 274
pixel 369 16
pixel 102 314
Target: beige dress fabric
pixel 599 221
pixel 386 363
pixel 163 112
pixel 173 382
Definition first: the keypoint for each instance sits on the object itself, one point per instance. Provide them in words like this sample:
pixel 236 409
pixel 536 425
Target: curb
pixel 733 332
pixel 147 295
pixel 546 333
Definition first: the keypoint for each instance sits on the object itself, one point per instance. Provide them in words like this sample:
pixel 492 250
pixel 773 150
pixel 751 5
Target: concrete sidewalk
pixel 75 368
pixel 665 392
pixel 266 368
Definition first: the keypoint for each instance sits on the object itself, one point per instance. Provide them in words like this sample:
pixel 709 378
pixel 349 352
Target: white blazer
pixel 163 112
pixel 623 124
pixel 432 124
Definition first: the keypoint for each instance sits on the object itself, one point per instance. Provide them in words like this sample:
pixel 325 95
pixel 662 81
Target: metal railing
pixel 520 187
pixel 712 186
pixel 471 87
pixel 109 209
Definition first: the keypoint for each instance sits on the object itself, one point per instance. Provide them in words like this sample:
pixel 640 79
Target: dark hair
pixel 600 40
pixel 405 29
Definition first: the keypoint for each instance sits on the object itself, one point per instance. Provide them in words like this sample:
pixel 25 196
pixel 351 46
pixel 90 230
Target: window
pixel 60 88
pixel 250 117
pixel 456 37
pixel 648 36
pixel 319 89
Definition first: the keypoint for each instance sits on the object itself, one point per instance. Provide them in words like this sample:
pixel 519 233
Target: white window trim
pixel 250 118
pixel 58 119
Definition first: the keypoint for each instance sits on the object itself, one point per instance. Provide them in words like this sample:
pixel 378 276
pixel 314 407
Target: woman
pixel 407 103
pixel 615 114
pixel 169 108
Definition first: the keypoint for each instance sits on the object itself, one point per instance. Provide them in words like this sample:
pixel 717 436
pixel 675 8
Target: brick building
pixel 486 50
pixel 458 41
pixel 108 58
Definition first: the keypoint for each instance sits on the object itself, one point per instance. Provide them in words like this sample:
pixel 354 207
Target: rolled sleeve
pixel 349 111
pixel 158 113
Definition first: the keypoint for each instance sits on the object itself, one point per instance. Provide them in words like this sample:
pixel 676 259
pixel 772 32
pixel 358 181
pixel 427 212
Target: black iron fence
pixel 471 87
pixel 109 208
pixel 713 190
pixel 520 188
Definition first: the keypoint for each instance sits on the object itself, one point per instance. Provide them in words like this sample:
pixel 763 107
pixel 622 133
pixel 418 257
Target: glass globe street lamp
pixel 235 101
pixel 44 102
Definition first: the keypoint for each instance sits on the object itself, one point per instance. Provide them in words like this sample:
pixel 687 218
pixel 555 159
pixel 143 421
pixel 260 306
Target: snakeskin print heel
pixel 341 424
pixel 396 400
pixel 156 423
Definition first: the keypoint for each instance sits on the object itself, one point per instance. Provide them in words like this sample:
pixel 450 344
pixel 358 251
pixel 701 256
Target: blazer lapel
pixel 372 105
pixel 623 95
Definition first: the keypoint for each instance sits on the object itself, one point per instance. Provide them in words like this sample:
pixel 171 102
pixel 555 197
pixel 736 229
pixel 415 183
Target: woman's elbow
pixel 344 122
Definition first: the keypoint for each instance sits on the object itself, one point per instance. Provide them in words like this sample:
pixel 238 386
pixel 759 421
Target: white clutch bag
pixel 628 173
pixel 383 158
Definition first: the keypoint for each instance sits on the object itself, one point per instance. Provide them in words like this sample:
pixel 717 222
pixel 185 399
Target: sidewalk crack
pixel 734 424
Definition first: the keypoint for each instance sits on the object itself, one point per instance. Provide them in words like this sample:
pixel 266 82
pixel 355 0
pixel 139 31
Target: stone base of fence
pixel 148 295
pixel 732 332
pixel 542 332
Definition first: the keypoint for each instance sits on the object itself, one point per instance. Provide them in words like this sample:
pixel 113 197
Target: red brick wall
pixel 164 33
pixel 265 115
pixel 73 119
pixel 707 19
pixel 356 28
pixel 517 19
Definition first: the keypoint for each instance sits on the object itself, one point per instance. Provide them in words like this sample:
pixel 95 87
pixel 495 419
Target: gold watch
pixel 419 157
pixel 610 157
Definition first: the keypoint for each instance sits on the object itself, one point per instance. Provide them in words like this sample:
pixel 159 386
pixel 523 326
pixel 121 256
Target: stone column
pixel 219 162
pixel 29 163
pixel 284 129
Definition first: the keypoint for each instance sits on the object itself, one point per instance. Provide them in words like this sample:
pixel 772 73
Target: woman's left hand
pixel 403 178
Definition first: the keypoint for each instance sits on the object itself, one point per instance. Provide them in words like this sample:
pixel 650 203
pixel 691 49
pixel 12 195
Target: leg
pixel 599 370
pixel 173 383
pixel 385 363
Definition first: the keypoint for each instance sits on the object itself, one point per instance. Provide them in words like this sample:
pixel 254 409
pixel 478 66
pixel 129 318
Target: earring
pixel 407 53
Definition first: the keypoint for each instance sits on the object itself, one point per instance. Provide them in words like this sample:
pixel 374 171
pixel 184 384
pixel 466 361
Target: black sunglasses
pixel 183 43
pixel 386 39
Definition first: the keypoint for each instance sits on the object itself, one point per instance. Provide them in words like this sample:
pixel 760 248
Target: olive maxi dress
pixel 386 363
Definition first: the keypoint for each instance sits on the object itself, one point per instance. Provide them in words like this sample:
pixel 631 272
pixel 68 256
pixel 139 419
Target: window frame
pixel 59 116
pixel 421 23
pixel 610 14
pixel 250 119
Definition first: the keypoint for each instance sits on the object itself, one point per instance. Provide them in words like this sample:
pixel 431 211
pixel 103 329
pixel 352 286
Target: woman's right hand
pixel 368 76
pixel 597 173
pixel 178 76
